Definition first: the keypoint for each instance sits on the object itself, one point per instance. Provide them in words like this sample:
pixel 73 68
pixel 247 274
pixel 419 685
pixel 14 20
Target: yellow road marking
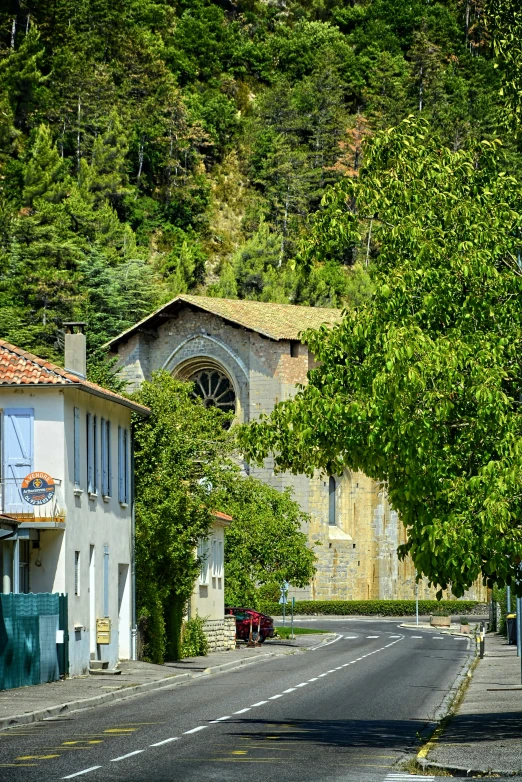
pixel 18 765
pixel 37 757
pixel 83 741
pixel 120 730
pixel 239 752
pixel 422 753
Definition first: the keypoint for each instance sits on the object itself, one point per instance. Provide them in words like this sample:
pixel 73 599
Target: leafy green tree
pixel 420 386
pixel 264 545
pixel 180 451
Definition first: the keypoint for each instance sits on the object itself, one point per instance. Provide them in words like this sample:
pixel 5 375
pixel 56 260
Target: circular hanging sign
pixel 38 488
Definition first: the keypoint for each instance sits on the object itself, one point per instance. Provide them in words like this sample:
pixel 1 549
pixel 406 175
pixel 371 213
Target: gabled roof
pixel 275 321
pixel 20 368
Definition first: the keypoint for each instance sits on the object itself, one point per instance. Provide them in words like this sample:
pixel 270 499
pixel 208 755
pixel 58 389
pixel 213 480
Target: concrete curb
pixel 444 712
pixel 137 689
pixel 86 703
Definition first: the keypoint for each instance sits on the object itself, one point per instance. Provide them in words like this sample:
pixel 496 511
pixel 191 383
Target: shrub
pixel 194 642
pixel 369 607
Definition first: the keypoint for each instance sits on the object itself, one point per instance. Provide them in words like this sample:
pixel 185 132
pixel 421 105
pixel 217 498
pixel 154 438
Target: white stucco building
pixel 55 423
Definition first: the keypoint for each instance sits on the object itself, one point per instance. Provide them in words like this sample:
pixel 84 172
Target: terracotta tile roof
pixel 20 368
pixel 220 515
pixel 276 321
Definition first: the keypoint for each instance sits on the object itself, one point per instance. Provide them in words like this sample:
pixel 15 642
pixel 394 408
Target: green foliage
pixel 179 450
pixel 120 116
pixel 184 471
pixel 420 386
pixel 264 545
pixel 370 607
pixel 194 641
pixel 504 20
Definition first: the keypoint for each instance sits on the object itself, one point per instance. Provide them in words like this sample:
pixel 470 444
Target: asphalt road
pixel 351 710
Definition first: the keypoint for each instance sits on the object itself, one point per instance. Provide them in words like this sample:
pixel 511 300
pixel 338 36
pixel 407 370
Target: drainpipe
pixel 134 629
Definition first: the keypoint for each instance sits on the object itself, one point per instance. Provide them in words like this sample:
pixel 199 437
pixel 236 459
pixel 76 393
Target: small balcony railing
pixel 12 502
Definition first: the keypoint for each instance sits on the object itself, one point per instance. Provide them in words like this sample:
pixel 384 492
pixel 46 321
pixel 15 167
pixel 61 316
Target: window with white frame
pixel 123 465
pixel 106 470
pixel 204 557
pixel 217 563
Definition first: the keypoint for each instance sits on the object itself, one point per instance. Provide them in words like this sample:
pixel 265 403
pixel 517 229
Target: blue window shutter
pixel 109 460
pixel 95 454
pixel 18 456
pixel 127 465
pixel 121 466
pixel 90 454
pixel 104 457
pixel 77 475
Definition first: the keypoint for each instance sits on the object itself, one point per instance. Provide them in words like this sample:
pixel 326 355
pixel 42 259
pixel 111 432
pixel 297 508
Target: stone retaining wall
pixel 221 633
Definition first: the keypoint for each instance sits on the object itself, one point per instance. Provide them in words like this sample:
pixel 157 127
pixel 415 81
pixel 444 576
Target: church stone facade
pixel 247 356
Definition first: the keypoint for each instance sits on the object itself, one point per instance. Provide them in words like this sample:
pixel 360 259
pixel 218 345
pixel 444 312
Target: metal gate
pixel 33 639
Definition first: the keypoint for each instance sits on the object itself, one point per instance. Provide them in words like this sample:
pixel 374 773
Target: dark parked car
pixel 261 621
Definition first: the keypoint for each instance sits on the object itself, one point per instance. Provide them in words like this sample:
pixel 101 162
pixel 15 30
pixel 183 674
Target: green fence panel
pixel 29 653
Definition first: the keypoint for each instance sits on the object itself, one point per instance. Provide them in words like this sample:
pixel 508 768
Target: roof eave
pixel 134 406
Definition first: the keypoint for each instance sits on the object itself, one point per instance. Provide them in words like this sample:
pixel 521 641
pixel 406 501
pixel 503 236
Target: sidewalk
pixel 485 735
pixel 30 704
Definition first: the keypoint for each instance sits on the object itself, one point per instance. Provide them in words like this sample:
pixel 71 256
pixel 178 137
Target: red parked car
pixel 261 621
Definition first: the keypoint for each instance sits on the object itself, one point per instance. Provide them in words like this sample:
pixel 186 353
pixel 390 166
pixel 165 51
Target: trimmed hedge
pixel 371 607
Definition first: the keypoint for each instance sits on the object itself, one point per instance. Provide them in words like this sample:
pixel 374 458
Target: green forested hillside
pixel 150 147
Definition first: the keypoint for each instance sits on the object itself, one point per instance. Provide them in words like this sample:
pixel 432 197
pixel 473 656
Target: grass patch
pixel 284 632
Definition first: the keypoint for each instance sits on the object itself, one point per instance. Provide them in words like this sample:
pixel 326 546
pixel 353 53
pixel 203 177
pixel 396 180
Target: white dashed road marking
pixel 241 711
pixel 200 727
pixel 372 636
pixel 350 637
pixel 128 755
pixel 165 741
pixel 259 703
pixel 85 771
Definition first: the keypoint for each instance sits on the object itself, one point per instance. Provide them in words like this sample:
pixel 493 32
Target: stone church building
pixel 247 356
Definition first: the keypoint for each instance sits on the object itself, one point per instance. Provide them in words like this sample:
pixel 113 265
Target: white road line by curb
pixel 321 646
pixel 196 730
pixel 128 755
pixel 85 771
pixel 165 741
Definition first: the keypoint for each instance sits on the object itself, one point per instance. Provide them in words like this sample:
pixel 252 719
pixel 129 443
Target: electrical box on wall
pixel 103 631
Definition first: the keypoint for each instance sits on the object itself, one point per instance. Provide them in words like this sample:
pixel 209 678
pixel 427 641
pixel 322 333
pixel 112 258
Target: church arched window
pixel 215 389
pixel 331 501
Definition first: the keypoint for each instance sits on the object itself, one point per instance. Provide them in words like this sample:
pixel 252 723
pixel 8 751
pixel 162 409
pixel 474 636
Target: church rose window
pixel 215 389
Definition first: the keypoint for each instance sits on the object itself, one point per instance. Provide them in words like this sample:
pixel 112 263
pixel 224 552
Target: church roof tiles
pixel 276 321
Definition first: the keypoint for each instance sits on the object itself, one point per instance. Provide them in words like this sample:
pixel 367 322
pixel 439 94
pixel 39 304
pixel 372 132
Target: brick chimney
pixel 75 348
